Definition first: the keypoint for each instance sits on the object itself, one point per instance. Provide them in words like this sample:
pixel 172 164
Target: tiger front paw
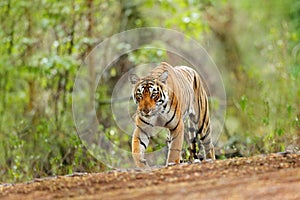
pixel 171 164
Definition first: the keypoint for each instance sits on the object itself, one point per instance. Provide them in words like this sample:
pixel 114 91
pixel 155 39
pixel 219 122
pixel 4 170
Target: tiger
pixel 164 98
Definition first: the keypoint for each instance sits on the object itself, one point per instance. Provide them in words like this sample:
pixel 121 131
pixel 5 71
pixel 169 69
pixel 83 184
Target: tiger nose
pixel 146 110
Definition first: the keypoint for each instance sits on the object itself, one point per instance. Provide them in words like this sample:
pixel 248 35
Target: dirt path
pixel 274 176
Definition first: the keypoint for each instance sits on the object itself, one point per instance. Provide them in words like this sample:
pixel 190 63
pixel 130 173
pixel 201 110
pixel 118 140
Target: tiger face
pixel 150 94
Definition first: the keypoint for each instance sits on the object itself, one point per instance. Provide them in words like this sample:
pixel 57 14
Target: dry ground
pixel 273 176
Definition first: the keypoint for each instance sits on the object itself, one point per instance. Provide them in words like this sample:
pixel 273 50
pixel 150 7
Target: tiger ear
pixel 164 76
pixel 133 78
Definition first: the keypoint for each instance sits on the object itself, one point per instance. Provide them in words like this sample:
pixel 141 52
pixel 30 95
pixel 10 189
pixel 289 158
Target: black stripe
pixel 195 82
pixel 142 130
pixel 173 138
pixel 142 143
pixel 200 129
pixel 206 143
pixel 200 100
pixel 193 140
pixel 199 109
pixel 175 126
pixel 172 116
pixel 206 108
pixel 162 99
pixel 170 104
pixel 203 122
pixel 145 122
pixel 165 106
pixel 205 136
pixel 162 94
pixel 196 119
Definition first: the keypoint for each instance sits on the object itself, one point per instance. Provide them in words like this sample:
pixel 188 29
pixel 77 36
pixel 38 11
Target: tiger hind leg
pixel 206 146
pixel 192 140
pixel 201 154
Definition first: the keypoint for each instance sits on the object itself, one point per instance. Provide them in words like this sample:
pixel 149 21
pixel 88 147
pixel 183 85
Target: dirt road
pixel 273 176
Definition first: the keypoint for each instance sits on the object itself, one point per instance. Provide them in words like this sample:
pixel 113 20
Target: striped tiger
pixel 164 98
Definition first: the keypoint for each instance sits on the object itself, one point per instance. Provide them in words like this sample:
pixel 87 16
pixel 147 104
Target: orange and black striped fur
pixel 164 98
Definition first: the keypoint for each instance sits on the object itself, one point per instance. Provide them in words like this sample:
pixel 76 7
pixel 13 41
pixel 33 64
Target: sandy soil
pixel 273 176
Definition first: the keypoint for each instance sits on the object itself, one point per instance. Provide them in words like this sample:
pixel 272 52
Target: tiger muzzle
pixel 146 112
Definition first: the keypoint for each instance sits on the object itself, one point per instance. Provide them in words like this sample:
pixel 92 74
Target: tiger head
pixel 150 93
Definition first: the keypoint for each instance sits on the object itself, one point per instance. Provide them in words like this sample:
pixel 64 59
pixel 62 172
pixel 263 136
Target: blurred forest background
pixel 255 44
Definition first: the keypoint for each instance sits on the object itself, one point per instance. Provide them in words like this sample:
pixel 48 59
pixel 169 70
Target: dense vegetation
pixel 43 43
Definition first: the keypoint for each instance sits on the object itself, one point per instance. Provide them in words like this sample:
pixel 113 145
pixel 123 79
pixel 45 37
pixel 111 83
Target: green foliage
pixel 43 43
pixel 263 110
pixel 147 55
